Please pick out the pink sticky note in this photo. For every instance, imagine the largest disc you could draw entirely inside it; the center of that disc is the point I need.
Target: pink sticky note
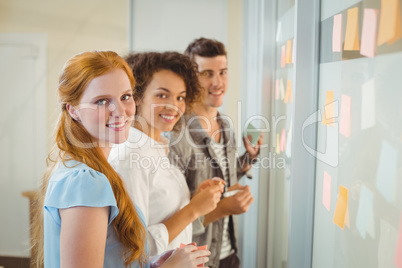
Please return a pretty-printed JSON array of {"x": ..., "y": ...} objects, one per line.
[
  {"x": 277, "y": 89},
  {"x": 283, "y": 140},
  {"x": 283, "y": 58},
  {"x": 337, "y": 34},
  {"x": 398, "y": 253},
  {"x": 326, "y": 191},
  {"x": 369, "y": 32},
  {"x": 344, "y": 127}
]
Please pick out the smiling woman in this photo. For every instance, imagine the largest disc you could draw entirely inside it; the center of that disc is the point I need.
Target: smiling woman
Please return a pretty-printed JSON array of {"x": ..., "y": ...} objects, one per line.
[{"x": 167, "y": 86}]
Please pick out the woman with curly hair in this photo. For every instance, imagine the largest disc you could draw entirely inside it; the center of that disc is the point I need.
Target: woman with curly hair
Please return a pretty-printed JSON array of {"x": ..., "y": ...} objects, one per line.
[{"x": 166, "y": 86}]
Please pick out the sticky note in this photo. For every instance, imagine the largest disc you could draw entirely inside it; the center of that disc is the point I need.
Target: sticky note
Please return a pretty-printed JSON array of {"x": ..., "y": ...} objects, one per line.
[
  {"x": 386, "y": 171},
  {"x": 253, "y": 132},
  {"x": 365, "y": 212},
  {"x": 289, "y": 142},
  {"x": 341, "y": 206},
  {"x": 279, "y": 32},
  {"x": 344, "y": 124},
  {"x": 283, "y": 140},
  {"x": 352, "y": 30},
  {"x": 277, "y": 149},
  {"x": 337, "y": 34},
  {"x": 288, "y": 94},
  {"x": 369, "y": 32},
  {"x": 199, "y": 248},
  {"x": 368, "y": 105},
  {"x": 277, "y": 89},
  {"x": 282, "y": 89},
  {"x": 390, "y": 22},
  {"x": 398, "y": 253},
  {"x": 283, "y": 57},
  {"x": 386, "y": 245},
  {"x": 328, "y": 117},
  {"x": 289, "y": 51},
  {"x": 347, "y": 218},
  {"x": 326, "y": 191}
]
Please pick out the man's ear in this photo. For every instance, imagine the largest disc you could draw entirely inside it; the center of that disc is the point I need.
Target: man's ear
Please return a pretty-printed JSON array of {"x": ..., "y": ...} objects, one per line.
[{"x": 73, "y": 112}]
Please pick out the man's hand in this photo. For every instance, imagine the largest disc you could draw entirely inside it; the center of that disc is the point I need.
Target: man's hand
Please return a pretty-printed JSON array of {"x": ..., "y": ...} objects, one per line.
[{"x": 238, "y": 203}]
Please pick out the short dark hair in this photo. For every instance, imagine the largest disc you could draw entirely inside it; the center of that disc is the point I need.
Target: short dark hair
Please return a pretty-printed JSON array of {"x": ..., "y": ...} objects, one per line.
[
  {"x": 144, "y": 65},
  {"x": 205, "y": 47}
]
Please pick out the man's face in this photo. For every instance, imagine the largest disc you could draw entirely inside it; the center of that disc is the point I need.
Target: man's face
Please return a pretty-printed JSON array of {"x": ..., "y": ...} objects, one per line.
[{"x": 213, "y": 77}]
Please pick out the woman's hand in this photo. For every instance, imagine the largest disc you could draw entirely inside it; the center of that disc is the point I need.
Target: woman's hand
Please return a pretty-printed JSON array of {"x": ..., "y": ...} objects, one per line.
[
  {"x": 207, "y": 196},
  {"x": 186, "y": 257}
]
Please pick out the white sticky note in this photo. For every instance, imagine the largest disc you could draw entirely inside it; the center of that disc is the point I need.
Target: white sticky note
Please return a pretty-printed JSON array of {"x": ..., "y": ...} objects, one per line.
[
  {"x": 386, "y": 171},
  {"x": 386, "y": 245},
  {"x": 282, "y": 89},
  {"x": 365, "y": 213},
  {"x": 368, "y": 105}
]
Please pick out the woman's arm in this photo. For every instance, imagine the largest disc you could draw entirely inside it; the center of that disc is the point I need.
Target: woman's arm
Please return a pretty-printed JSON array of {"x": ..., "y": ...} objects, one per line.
[
  {"x": 202, "y": 203},
  {"x": 83, "y": 236}
]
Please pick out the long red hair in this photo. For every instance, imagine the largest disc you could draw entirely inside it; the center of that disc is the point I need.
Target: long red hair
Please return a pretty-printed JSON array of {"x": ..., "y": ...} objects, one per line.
[{"x": 74, "y": 142}]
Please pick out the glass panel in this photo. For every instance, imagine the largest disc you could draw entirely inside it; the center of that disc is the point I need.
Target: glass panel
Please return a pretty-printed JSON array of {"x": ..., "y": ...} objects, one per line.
[
  {"x": 358, "y": 183},
  {"x": 281, "y": 133}
]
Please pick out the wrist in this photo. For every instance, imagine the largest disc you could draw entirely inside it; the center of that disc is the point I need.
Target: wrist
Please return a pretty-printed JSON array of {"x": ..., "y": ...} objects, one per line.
[{"x": 192, "y": 211}]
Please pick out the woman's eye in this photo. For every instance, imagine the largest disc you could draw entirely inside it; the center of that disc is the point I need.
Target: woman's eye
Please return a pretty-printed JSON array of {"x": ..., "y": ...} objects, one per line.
[
  {"x": 101, "y": 102},
  {"x": 162, "y": 96},
  {"x": 181, "y": 98},
  {"x": 127, "y": 97}
]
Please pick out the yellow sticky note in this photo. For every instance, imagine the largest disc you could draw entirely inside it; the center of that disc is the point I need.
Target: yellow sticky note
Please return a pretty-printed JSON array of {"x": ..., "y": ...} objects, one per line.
[
  {"x": 289, "y": 51},
  {"x": 341, "y": 207},
  {"x": 328, "y": 117},
  {"x": 288, "y": 94},
  {"x": 390, "y": 22},
  {"x": 352, "y": 30}
]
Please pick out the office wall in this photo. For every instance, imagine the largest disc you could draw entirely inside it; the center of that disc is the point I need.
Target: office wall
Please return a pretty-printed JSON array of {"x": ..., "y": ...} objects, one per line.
[{"x": 63, "y": 29}]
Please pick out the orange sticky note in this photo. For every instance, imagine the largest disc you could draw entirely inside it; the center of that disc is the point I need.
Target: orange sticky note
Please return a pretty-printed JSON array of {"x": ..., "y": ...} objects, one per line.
[
  {"x": 326, "y": 191},
  {"x": 277, "y": 89},
  {"x": 283, "y": 141},
  {"x": 390, "y": 22},
  {"x": 337, "y": 34},
  {"x": 341, "y": 207},
  {"x": 344, "y": 127},
  {"x": 283, "y": 59},
  {"x": 352, "y": 30},
  {"x": 328, "y": 117},
  {"x": 347, "y": 220},
  {"x": 369, "y": 32},
  {"x": 398, "y": 253},
  {"x": 288, "y": 94},
  {"x": 289, "y": 51},
  {"x": 281, "y": 89}
]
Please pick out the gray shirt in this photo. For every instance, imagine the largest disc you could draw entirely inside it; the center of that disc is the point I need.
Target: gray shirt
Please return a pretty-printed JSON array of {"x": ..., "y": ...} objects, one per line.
[{"x": 191, "y": 151}]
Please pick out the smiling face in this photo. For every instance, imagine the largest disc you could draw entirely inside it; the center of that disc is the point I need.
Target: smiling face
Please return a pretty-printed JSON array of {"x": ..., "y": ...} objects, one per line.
[
  {"x": 212, "y": 75},
  {"x": 162, "y": 104},
  {"x": 106, "y": 108}
]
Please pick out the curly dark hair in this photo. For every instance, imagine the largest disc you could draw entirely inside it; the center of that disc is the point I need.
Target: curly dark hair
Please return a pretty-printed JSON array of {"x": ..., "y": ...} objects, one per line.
[
  {"x": 145, "y": 64},
  {"x": 205, "y": 47}
]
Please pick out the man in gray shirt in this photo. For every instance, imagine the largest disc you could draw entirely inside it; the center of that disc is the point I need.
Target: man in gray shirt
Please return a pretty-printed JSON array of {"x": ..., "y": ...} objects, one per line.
[{"x": 207, "y": 149}]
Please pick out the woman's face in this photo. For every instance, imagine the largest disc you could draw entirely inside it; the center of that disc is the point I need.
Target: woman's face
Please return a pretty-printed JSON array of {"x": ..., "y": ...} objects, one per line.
[
  {"x": 163, "y": 103},
  {"x": 106, "y": 108}
]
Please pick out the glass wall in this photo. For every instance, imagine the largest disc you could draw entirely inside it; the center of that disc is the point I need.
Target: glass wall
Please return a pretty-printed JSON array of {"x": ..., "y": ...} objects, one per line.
[{"x": 358, "y": 183}]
